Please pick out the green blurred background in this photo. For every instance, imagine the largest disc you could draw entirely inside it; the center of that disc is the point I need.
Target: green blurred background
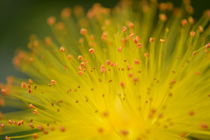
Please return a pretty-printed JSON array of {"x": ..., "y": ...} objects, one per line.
[{"x": 20, "y": 18}]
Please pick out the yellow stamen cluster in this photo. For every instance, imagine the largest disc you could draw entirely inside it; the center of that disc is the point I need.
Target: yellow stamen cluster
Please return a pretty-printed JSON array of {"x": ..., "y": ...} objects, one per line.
[{"x": 140, "y": 71}]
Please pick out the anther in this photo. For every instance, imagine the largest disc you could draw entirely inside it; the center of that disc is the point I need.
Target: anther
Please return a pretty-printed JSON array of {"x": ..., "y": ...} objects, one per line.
[
  {"x": 62, "y": 129},
  {"x": 30, "y": 81},
  {"x": 2, "y": 125},
  {"x": 130, "y": 75},
  {"x": 4, "y": 91},
  {"x": 100, "y": 130},
  {"x": 45, "y": 132},
  {"x": 192, "y": 34},
  {"x": 29, "y": 90},
  {"x": 204, "y": 126},
  {"x": 124, "y": 29},
  {"x": 31, "y": 106},
  {"x": 139, "y": 45},
  {"x": 131, "y": 35},
  {"x": 119, "y": 49},
  {"x": 122, "y": 84},
  {"x": 80, "y": 57},
  {"x": 151, "y": 39},
  {"x": 103, "y": 68},
  {"x": 200, "y": 28},
  {"x": 53, "y": 82},
  {"x": 91, "y": 51},
  {"x": 41, "y": 128},
  {"x": 69, "y": 57},
  {"x": 105, "y": 114},
  {"x": 35, "y": 111},
  {"x": 173, "y": 82},
  {"x": 19, "y": 123},
  {"x": 130, "y": 25},
  {"x": 48, "y": 41},
  {"x": 191, "y": 20},
  {"x": 7, "y": 138},
  {"x": 80, "y": 72},
  {"x": 35, "y": 136},
  {"x": 124, "y": 132},
  {"x": 137, "y": 61},
  {"x": 104, "y": 35},
  {"x": 162, "y": 17},
  {"x": 146, "y": 55},
  {"x": 162, "y": 40},
  {"x": 83, "y": 31},
  {"x": 207, "y": 45},
  {"x": 184, "y": 22},
  {"x": 62, "y": 49},
  {"x": 163, "y": 6},
  {"x": 51, "y": 20},
  {"x": 66, "y": 13},
  {"x": 136, "y": 39},
  {"x": 191, "y": 113}
]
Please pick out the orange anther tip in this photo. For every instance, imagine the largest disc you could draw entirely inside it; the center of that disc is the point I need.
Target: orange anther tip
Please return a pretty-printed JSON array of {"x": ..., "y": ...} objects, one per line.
[
  {"x": 124, "y": 28},
  {"x": 162, "y": 40},
  {"x": 131, "y": 35},
  {"x": 48, "y": 41},
  {"x": 4, "y": 91},
  {"x": 137, "y": 61},
  {"x": 191, "y": 113},
  {"x": 35, "y": 111},
  {"x": 162, "y": 17},
  {"x": 31, "y": 106},
  {"x": 207, "y": 12},
  {"x": 80, "y": 57},
  {"x": 139, "y": 45},
  {"x": 103, "y": 68},
  {"x": 105, "y": 114},
  {"x": 91, "y": 51},
  {"x": 62, "y": 49},
  {"x": 30, "y": 90},
  {"x": 192, "y": 33},
  {"x": 7, "y": 138},
  {"x": 51, "y": 20},
  {"x": 191, "y": 20},
  {"x": 130, "y": 25},
  {"x": 65, "y": 13},
  {"x": 2, "y": 125},
  {"x": 200, "y": 28},
  {"x": 62, "y": 129},
  {"x": 119, "y": 49},
  {"x": 100, "y": 130},
  {"x": 136, "y": 39},
  {"x": 122, "y": 84},
  {"x": 69, "y": 57},
  {"x": 151, "y": 39},
  {"x": 35, "y": 136},
  {"x": 130, "y": 75},
  {"x": 30, "y": 81},
  {"x": 80, "y": 72},
  {"x": 184, "y": 22},
  {"x": 204, "y": 126},
  {"x": 53, "y": 82},
  {"x": 124, "y": 132},
  {"x": 146, "y": 54},
  {"x": 83, "y": 31},
  {"x": 207, "y": 45}
]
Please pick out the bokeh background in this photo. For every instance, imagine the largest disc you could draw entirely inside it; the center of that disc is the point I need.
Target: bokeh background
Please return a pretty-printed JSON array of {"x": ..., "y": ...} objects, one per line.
[{"x": 20, "y": 18}]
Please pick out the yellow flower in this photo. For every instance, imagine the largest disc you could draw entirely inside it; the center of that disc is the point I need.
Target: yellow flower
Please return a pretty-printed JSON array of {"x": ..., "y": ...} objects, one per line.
[{"x": 140, "y": 71}]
